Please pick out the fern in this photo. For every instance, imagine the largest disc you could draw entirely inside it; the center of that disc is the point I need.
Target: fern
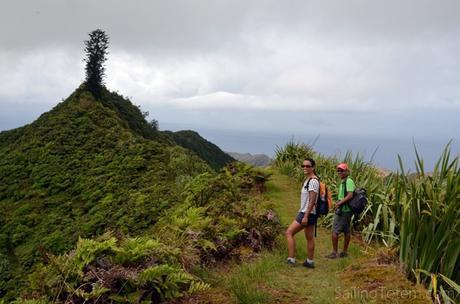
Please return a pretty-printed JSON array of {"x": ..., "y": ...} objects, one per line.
[
  {"x": 156, "y": 273},
  {"x": 96, "y": 291},
  {"x": 166, "y": 280},
  {"x": 88, "y": 250},
  {"x": 132, "y": 250},
  {"x": 27, "y": 301},
  {"x": 206, "y": 245},
  {"x": 198, "y": 286}
]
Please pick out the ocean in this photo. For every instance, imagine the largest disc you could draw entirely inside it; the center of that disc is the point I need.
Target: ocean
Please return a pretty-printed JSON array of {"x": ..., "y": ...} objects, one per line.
[{"x": 381, "y": 151}]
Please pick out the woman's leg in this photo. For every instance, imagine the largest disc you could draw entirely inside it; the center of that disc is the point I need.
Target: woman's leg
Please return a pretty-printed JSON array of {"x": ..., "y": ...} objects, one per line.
[
  {"x": 290, "y": 232},
  {"x": 309, "y": 234}
]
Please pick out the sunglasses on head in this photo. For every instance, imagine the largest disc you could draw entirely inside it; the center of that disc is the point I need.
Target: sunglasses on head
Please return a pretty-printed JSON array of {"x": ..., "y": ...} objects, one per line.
[{"x": 306, "y": 166}]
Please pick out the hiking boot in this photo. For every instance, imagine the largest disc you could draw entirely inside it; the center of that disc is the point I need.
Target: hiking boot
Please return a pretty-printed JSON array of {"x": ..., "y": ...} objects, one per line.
[
  {"x": 291, "y": 263},
  {"x": 343, "y": 254},
  {"x": 308, "y": 265},
  {"x": 332, "y": 255}
]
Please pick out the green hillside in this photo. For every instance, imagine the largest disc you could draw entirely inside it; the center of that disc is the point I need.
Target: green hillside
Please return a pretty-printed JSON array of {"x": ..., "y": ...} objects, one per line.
[
  {"x": 79, "y": 170},
  {"x": 91, "y": 166},
  {"x": 98, "y": 206},
  {"x": 206, "y": 150}
]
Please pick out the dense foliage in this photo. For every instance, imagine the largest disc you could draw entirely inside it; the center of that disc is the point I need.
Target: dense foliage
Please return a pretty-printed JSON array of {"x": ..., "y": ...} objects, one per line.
[
  {"x": 77, "y": 171},
  {"x": 106, "y": 270},
  {"x": 219, "y": 217},
  {"x": 132, "y": 116},
  {"x": 91, "y": 166},
  {"x": 417, "y": 213},
  {"x": 206, "y": 150}
]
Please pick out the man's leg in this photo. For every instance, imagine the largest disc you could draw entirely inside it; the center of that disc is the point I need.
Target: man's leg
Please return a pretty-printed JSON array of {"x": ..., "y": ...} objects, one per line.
[
  {"x": 347, "y": 234},
  {"x": 335, "y": 237},
  {"x": 335, "y": 241},
  {"x": 346, "y": 242}
]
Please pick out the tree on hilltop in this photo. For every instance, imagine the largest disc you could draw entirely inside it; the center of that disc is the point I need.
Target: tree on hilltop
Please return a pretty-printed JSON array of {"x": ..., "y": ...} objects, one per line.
[{"x": 96, "y": 51}]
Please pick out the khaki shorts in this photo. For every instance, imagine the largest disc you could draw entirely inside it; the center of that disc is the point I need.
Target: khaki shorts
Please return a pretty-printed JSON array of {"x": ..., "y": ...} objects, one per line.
[{"x": 342, "y": 223}]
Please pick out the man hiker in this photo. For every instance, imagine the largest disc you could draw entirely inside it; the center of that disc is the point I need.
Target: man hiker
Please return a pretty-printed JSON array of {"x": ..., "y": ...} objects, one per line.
[{"x": 343, "y": 213}]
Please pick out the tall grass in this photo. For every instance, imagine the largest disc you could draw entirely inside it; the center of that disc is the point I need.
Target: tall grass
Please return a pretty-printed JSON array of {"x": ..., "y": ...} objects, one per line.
[
  {"x": 287, "y": 157},
  {"x": 419, "y": 213},
  {"x": 245, "y": 284}
]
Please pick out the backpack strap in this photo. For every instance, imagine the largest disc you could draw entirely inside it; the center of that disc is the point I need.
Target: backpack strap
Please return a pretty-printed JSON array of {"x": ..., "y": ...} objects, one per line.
[
  {"x": 316, "y": 222},
  {"x": 344, "y": 191},
  {"x": 308, "y": 182}
]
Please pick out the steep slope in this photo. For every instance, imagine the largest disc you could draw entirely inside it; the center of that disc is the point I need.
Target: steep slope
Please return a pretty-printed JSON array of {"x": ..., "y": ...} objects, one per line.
[
  {"x": 206, "y": 150},
  {"x": 83, "y": 168}
]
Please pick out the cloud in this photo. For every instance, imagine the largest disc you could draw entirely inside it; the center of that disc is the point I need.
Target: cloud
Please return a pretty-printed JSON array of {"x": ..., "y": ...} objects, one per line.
[
  {"x": 212, "y": 62},
  {"x": 187, "y": 25},
  {"x": 299, "y": 76},
  {"x": 38, "y": 75}
]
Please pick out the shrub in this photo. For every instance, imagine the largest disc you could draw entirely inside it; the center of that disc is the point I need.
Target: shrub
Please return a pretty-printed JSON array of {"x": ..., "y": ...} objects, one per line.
[{"x": 110, "y": 270}]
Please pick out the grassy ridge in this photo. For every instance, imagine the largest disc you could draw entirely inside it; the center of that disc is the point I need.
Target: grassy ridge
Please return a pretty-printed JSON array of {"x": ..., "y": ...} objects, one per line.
[{"x": 364, "y": 277}]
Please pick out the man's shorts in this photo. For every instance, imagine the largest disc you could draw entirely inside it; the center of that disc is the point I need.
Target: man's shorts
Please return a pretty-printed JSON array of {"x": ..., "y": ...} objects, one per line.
[
  {"x": 311, "y": 219},
  {"x": 342, "y": 222}
]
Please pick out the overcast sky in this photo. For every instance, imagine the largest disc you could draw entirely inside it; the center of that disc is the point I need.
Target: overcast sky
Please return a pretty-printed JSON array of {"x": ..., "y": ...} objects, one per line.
[{"x": 363, "y": 72}]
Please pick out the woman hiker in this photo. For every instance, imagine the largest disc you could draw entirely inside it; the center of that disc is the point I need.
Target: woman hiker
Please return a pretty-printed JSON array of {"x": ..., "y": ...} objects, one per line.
[{"x": 306, "y": 218}]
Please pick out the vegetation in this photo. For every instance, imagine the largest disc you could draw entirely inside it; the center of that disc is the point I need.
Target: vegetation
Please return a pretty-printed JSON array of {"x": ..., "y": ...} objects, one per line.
[
  {"x": 147, "y": 269},
  {"x": 428, "y": 214},
  {"x": 92, "y": 166},
  {"x": 96, "y": 52},
  {"x": 105, "y": 270},
  {"x": 416, "y": 213},
  {"x": 366, "y": 276},
  {"x": 206, "y": 150},
  {"x": 78, "y": 171}
]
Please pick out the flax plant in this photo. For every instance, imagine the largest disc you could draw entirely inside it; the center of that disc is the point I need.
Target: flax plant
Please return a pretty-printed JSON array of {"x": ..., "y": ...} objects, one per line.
[{"x": 428, "y": 209}]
